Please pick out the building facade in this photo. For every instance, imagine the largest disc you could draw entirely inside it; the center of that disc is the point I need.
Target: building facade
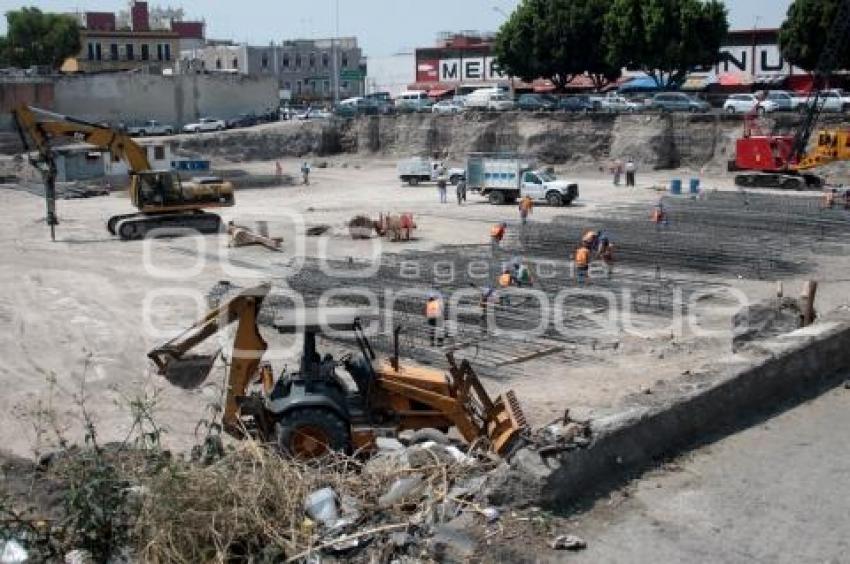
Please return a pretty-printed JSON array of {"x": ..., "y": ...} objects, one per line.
[
  {"x": 304, "y": 69},
  {"x": 108, "y": 46}
]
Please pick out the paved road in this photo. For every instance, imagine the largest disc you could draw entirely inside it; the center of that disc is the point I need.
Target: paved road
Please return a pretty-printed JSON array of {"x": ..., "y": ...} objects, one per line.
[{"x": 775, "y": 493}]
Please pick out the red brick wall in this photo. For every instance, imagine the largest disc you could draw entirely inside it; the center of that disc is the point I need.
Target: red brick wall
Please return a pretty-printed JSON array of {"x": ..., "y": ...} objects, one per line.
[
  {"x": 103, "y": 21},
  {"x": 39, "y": 94},
  {"x": 189, "y": 30},
  {"x": 139, "y": 16}
]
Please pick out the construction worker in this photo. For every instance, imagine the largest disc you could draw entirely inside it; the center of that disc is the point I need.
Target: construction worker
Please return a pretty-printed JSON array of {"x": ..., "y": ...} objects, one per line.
[
  {"x": 522, "y": 274},
  {"x": 442, "y": 180},
  {"x": 829, "y": 198},
  {"x": 582, "y": 260},
  {"x": 589, "y": 239},
  {"x": 488, "y": 297},
  {"x": 526, "y": 206},
  {"x": 461, "y": 191},
  {"x": 434, "y": 315},
  {"x": 505, "y": 281},
  {"x": 605, "y": 251},
  {"x": 631, "y": 172},
  {"x": 305, "y": 173},
  {"x": 658, "y": 215},
  {"x": 497, "y": 233}
]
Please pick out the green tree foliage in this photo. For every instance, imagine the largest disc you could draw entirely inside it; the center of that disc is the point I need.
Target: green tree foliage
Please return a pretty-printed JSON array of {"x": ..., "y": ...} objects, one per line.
[
  {"x": 556, "y": 39},
  {"x": 805, "y": 31},
  {"x": 39, "y": 38},
  {"x": 665, "y": 38}
]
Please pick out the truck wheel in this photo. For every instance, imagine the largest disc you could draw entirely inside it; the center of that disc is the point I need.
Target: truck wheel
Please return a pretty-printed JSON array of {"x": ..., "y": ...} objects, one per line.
[
  {"x": 496, "y": 198},
  {"x": 413, "y": 181},
  {"x": 555, "y": 200},
  {"x": 311, "y": 432}
]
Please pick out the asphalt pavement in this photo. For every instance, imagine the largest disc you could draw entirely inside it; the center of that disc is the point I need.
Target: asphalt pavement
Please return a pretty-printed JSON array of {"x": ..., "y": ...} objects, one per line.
[{"x": 778, "y": 492}]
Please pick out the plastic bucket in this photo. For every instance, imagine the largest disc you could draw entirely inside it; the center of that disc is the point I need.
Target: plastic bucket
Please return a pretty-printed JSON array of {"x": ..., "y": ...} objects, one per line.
[
  {"x": 694, "y": 185},
  {"x": 676, "y": 186}
]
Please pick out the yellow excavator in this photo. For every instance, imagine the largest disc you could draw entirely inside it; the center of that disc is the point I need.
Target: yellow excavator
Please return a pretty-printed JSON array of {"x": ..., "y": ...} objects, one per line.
[
  {"x": 313, "y": 411},
  {"x": 163, "y": 201}
]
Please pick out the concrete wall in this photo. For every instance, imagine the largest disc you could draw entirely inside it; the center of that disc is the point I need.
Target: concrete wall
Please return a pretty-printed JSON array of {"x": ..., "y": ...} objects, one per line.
[
  {"x": 25, "y": 90},
  {"x": 131, "y": 98}
]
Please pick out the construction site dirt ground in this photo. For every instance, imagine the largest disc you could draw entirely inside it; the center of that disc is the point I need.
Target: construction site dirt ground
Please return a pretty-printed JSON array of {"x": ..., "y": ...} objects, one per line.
[{"x": 78, "y": 315}]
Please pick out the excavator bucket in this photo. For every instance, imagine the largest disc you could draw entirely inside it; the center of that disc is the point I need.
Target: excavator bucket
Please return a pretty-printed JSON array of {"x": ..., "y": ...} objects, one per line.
[
  {"x": 506, "y": 423},
  {"x": 188, "y": 372}
]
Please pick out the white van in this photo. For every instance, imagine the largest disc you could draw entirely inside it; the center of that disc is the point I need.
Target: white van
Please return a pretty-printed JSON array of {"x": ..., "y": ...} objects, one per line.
[
  {"x": 413, "y": 100},
  {"x": 490, "y": 99}
]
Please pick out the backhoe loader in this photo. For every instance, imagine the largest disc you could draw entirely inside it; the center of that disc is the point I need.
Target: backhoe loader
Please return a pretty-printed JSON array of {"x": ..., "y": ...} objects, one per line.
[
  {"x": 312, "y": 411},
  {"x": 163, "y": 200}
]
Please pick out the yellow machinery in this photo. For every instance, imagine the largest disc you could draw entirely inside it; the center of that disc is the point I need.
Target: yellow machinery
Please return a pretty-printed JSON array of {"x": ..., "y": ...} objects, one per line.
[
  {"x": 832, "y": 145},
  {"x": 311, "y": 411},
  {"x": 162, "y": 199}
]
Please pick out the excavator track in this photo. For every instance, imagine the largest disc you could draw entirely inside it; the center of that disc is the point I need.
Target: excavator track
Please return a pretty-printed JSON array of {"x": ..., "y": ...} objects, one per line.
[
  {"x": 138, "y": 226},
  {"x": 782, "y": 181}
]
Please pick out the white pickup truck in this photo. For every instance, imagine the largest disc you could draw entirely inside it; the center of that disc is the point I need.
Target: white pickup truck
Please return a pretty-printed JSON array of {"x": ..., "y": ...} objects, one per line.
[
  {"x": 150, "y": 127},
  {"x": 505, "y": 179},
  {"x": 417, "y": 169}
]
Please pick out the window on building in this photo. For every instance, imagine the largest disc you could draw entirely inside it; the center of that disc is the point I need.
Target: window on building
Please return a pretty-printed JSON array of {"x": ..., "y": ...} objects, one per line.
[
  {"x": 235, "y": 63},
  {"x": 343, "y": 84},
  {"x": 265, "y": 61},
  {"x": 326, "y": 86},
  {"x": 113, "y": 51},
  {"x": 159, "y": 53},
  {"x": 218, "y": 64},
  {"x": 288, "y": 86},
  {"x": 146, "y": 52},
  {"x": 298, "y": 60},
  {"x": 325, "y": 60},
  {"x": 298, "y": 87},
  {"x": 130, "y": 54},
  {"x": 312, "y": 60},
  {"x": 158, "y": 152},
  {"x": 91, "y": 51},
  {"x": 98, "y": 54},
  {"x": 345, "y": 60},
  {"x": 167, "y": 49},
  {"x": 286, "y": 60}
]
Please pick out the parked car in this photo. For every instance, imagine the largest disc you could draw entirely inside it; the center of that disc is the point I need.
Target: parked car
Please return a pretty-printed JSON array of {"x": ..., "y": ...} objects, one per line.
[
  {"x": 845, "y": 98},
  {"x": 742, "y": 104},
  {"x": 413, "y": 101},
  {"x": 418, "y": 169},
  {"x": 536, "y": 103},
  {"x": 243, "y": 120},
  {"x": 480, "y": 99},
  {"x": 205, "y": 124},
  {"x": 501, "y": 103},
  {"x": 781, "y": 101},
  {"x": 575, "y": 104},
  {"x": 614, "y": 102},
  {"x": 447, "y": 107},
  {"x": 678, "y": 102},
  {"x": 831, "y": 101},
  {"x": 150, "y": 127}
]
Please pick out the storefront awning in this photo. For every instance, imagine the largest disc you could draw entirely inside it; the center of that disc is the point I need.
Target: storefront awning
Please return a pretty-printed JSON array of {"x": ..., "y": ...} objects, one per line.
[
  {"x": 439, "y": 92},
  {"x": 802, "y": 83},
  {"x": 734, "y": 79}
]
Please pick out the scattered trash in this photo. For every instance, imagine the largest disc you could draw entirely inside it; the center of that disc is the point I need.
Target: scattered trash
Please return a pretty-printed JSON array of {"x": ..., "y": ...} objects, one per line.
[
  {"x": 11, "y": 552},
  {"x": 402, "y": 490},
  {"x": 452, "y": 544},
  {"x": 79, "y": 557},
  {"x": 317, "y": 230},
  {"x": 241, "y": 236},
  {"x": 568, "y": 542},
  {"x": 400, "y": 539},
  {"x": 321, "y": 506},
  {"x": 361, "y": 227},
  {"x": 491, "y": 514},
  {"x": 388, "y": 444}
]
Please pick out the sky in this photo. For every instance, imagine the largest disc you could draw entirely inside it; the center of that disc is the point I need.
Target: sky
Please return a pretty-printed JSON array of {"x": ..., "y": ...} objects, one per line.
[{"x": 383, "y": 27}]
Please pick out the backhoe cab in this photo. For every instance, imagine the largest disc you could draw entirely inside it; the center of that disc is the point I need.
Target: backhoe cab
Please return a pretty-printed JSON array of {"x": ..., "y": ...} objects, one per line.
[{"x": 312, "y": 411}]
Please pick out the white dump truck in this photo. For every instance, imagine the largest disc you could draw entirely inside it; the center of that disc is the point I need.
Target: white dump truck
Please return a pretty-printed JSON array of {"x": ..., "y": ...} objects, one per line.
[
  {"x": 418, "y": 169},
  {"x": 505, "y": 179}
]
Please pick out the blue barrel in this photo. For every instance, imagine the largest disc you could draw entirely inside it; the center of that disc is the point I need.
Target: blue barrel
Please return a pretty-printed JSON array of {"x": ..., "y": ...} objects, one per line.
[
  {"x": 676, "y": 186},
  {"x": 694, "y": 185}
]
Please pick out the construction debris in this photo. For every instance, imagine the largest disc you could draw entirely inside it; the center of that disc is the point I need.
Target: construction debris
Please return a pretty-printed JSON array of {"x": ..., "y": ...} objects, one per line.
[
  {"x": 395, "y": 227},
  {"x": 361, "y": 227},
  {"x": 568, "y": 542},
  {"x": 241, "y": 236}
]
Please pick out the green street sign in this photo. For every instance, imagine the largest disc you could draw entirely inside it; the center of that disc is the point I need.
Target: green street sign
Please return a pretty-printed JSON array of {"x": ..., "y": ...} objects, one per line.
[{"x": 351, "y": 74}]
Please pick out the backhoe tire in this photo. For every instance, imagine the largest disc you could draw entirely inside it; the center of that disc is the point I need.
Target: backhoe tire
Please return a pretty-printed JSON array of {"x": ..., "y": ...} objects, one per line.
[{"x": 312, "y": 432}]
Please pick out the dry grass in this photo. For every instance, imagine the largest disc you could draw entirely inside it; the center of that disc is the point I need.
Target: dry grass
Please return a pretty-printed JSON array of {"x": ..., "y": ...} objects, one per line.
[{"x": 251, "y": 504}]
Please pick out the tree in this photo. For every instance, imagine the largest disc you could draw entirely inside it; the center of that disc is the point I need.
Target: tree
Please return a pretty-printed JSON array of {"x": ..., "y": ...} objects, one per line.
[
  {"x": 38, "y": 38},
  {"x": 805, "y": 30},
  {"x": 556, "y": 39},
  {"x": 665, "y": 38}
]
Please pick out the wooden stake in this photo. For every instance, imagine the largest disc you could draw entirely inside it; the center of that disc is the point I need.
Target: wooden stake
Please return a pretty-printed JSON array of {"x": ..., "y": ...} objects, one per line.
[{"x": 807, "y": 302}]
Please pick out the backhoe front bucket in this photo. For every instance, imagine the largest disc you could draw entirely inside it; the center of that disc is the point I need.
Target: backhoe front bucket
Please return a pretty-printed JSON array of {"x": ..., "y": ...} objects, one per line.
[
  {"x": 506, "y": 423},
  {"x": 188, "y": 372}
]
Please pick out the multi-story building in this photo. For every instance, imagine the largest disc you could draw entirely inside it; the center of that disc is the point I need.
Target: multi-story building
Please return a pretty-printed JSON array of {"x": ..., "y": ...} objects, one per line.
[
  {"x": 108, "y": 47},
  {"x": 304, "y": 68}
]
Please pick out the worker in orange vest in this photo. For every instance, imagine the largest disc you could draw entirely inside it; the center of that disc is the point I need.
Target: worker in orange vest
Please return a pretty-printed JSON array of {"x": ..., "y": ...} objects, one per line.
[
  {"x": 434, "y": 315},
  {"x": 658, "y": 215},
  {"x": 497, "y": 233},
  {"x": 582, "y": 264}
]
